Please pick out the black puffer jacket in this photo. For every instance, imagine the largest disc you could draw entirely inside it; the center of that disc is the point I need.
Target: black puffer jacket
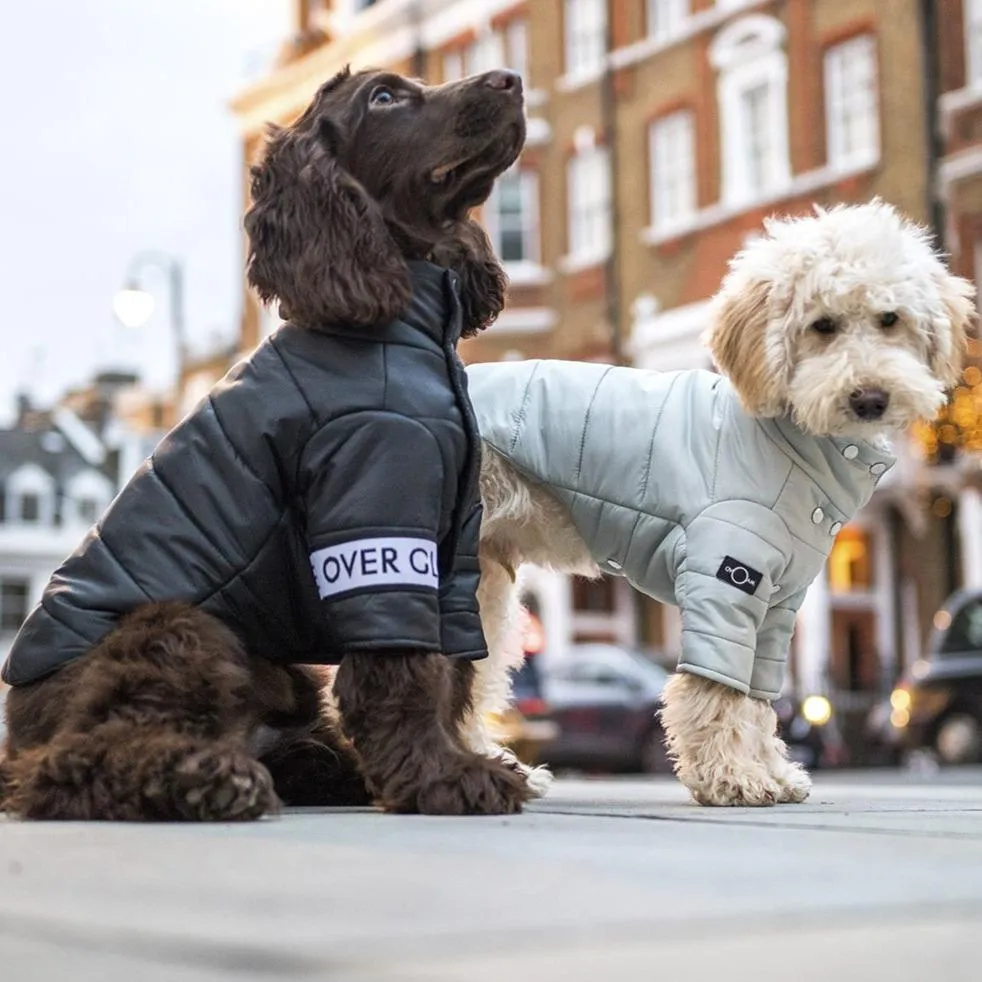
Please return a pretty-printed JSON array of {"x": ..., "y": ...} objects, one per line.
[{"x": 322, "y": 500}]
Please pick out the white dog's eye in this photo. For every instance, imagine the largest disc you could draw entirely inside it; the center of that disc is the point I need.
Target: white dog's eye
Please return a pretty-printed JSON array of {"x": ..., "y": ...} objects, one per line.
[
  {"x": 824, "y": 325},
  {"x": 889, "y": 318}
]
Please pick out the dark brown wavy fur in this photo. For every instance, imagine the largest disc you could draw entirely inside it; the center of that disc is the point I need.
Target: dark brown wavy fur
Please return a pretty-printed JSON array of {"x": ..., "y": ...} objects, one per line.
[{"x": 341, "y": 198}]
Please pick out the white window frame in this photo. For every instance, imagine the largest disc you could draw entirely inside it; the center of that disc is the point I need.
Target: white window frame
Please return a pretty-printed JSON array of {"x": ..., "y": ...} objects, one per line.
[
  {"x": 516, "y": 47},
  {"x": 588, "y": 184},
  {"x": 453, "y": 65},
  {"x": 30, "y": 480},
  {"x": 89, "y": 486},
  {"x": 528, "y": 181},
  {"x": 484, "y": 54},
  {"x": 491, "y": 49},
  {"x": 749, "y": 55},
  {"x": 665, "y": 19},
  {"x": 973, "y": 42},
  {"x": 585, "y": 37},
  {"x": 852, "y": 103},
  {"x": 673, "y": 170}
]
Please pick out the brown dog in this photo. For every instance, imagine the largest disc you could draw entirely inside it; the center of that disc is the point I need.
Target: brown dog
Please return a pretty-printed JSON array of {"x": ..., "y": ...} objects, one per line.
[{"x": 160, "y": 677}]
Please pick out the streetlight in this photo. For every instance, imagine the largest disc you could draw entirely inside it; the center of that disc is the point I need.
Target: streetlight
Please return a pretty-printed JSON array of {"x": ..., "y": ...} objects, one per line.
[{"x": 134, "y": 305}]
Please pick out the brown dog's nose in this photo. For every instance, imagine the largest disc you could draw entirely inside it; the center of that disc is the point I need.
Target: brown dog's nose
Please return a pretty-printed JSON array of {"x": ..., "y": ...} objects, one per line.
[
  {"x": 503, "y": 80},
  {"x": 869, "y": 404}
]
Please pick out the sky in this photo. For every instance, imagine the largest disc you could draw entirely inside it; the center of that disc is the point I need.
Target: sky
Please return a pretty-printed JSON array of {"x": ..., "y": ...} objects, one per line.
[{"x": 117, "y": 138}]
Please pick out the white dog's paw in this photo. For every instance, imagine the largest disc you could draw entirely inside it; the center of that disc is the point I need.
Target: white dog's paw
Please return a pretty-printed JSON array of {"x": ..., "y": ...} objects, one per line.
[
  {"x": 539, "y": 779},
  {"x": 794, "y": 782},
  {"x": 724, "y": 787}
]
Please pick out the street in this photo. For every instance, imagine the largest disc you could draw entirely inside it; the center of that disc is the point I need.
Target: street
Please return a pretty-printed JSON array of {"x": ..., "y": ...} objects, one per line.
[{"x": 879, "y": 875}]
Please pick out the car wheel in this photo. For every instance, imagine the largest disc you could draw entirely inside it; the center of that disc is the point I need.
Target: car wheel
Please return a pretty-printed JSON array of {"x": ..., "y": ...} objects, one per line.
[
  {"x": 959, "y": 739},
  {"x": 653, "y": 755}
]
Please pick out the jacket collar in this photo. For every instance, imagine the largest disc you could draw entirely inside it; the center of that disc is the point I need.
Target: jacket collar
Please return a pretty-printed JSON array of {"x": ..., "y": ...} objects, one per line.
[
  {"x": 434, "y": 309},
  {"x": 847, "y": 470}
]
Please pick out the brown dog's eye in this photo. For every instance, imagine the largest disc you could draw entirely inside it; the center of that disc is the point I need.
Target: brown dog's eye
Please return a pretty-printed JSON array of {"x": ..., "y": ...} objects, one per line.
[
  {"x": 889, "y": 318},
  {"x": 824, "y": 325},
  {"x": 381, "y": 96}
]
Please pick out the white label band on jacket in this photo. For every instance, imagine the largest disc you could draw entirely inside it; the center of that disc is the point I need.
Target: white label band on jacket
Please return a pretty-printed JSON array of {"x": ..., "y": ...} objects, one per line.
[{"x": 365, "y": 564}]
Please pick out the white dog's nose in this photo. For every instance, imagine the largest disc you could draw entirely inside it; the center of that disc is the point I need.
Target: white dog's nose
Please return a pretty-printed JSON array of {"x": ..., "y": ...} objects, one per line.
[{"x": 869, "y": 404}]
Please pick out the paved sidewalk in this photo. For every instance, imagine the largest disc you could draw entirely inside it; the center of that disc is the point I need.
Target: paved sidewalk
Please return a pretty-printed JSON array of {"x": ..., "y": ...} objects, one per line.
[{"x": 877, "y": 877}]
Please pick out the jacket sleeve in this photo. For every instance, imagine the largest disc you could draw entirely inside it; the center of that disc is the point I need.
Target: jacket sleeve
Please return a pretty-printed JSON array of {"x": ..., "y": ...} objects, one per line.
[
  {"x": 375, "y": 499},
  {"x": 724, "y": 581},
  {"x": 773, "y": 642},
  {"x": 460, "y": 616}
]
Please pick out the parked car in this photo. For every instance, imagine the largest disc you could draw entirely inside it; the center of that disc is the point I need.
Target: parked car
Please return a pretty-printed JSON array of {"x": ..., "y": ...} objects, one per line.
[
  {"x": 603, "y": 699},
  {"x": 937, "y": 706}
]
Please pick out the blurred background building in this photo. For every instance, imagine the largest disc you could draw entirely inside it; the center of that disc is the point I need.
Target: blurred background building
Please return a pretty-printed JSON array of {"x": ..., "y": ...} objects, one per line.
[
  {"x": 660, "y": 134},
  {"x": 60, "y": 468}
]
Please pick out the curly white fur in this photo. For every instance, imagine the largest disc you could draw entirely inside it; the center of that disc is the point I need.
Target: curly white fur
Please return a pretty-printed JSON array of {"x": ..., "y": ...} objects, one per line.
[{"x": 799, "y": 327}]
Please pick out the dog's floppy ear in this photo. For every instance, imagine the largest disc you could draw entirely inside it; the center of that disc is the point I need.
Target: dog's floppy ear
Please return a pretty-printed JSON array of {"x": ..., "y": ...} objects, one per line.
[
  {"x": 317, "y": 242},
  {"x": 739, "y": 315},
  {"x": 949, "y": 332},
  {"x": 468, "y": 251}
]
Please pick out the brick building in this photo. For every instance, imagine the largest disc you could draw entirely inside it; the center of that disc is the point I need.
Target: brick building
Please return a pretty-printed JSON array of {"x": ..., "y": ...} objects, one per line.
[
  {"x": 956, "y": 162},
  {"x": 661, "y": 132}
]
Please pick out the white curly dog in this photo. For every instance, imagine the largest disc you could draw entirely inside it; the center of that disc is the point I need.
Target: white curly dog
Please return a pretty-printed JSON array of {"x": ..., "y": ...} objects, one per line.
[{"x": 722, "y": 494}]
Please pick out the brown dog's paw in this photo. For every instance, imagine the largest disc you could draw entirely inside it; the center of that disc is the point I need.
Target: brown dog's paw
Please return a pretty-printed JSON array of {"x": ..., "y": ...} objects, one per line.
[
  {"x": 218, "y": 786},
  {"x": 476, "y": 786}
]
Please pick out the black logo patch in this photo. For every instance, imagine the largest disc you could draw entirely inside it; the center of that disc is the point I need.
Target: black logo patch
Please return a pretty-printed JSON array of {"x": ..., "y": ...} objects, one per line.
[{"x": 738, "y": 574}]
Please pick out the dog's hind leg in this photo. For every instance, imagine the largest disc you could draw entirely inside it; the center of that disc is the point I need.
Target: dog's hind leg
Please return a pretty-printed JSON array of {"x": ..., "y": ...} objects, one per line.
[
  {"x": 118, "y": 772},
  {"x": 149, "y": 725},
  {"x": 522, "y": 523},
  {"x": 490, "y": 687}
]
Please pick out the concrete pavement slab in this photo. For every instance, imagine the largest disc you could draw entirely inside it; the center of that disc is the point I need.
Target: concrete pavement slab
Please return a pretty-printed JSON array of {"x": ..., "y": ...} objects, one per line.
[{"x": 616, "y": 879}]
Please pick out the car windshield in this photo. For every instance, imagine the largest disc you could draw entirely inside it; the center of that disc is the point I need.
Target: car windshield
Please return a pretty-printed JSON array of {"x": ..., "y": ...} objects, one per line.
[
  {"x": 587, "y": 661},
  {"x": 965, "y": 633}
]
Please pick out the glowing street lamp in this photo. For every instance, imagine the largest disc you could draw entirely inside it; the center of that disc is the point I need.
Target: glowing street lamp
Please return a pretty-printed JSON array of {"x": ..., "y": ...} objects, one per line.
[{"x": 134, "y": 305}]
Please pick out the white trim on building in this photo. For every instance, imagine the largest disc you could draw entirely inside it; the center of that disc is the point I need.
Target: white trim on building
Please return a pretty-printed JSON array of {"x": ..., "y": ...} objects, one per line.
[
  {"x": 588, "y": 194},
  {"x": 752, "y": 94},
  {"x": 970, "y": 529},
  {"x": 672, "y": 170},
  {"x": 584, "y": 37},
  {"x": 973, "y": 41},
  {"x": 30, "y": 497},
  {"x": 525, "y": 320},
  {"x": 666, "y": 19},
  {"x": 669, "y": 340},
  {"x": 511, "y": 217},
  {"x": 852, "y": 114},
  {"x": 87, "y": 495}
]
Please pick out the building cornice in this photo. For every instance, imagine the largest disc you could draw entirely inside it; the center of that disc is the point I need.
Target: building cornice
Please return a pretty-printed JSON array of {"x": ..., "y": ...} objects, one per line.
[{"x": 383, "y": 35}]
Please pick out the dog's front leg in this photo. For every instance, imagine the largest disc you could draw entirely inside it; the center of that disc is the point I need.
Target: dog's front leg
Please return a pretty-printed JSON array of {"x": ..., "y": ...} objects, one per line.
[
  {"x": 397, "y": 711},
  {"x": 725, "y": 745}
]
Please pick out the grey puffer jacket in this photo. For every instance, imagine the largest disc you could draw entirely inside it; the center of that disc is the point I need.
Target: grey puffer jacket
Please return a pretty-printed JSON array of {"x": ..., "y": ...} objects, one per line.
[
  {"x": 322, "y": 500},
  {"x": 674, "y": 486}
]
